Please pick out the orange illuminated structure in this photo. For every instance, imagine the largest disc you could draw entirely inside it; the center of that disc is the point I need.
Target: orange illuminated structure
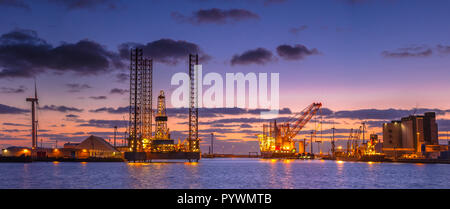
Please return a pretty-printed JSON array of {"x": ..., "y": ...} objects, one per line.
[
  {"x": 278, "y": 140},
  {"x": 142, "y": 144}
]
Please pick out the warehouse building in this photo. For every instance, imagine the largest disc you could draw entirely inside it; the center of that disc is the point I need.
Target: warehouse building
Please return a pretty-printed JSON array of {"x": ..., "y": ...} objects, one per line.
[{"x": 413, "y": 136}]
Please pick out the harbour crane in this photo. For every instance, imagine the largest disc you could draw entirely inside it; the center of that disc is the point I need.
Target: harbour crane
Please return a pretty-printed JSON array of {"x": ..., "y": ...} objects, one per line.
[{"x": 280, "y": 138}]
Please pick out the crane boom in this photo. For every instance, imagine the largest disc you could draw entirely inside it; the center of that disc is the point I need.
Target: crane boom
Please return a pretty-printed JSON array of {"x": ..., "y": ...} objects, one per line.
[{"x": 305, "y": 117}]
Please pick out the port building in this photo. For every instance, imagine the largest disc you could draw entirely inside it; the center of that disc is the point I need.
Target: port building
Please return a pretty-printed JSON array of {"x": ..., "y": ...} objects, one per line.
[{"x": 415, "y": 136}]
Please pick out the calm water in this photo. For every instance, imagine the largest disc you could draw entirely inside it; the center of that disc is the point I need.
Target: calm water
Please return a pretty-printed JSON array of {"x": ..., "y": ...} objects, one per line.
[{"x": 225, "y": 173}]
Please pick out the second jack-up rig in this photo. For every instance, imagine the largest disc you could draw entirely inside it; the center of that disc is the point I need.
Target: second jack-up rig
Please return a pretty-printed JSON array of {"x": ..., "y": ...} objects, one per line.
[{"x": 142, "y": 144}]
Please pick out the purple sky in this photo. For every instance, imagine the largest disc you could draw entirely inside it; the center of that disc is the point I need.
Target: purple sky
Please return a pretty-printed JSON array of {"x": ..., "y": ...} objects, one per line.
[{"x": 348, "y": 54}]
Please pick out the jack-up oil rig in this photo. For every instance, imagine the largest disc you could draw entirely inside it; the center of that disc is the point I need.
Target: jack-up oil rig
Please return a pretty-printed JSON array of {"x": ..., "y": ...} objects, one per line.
[
  {"x": 277, "y": 141},
  {"x": 142, "y": 144}
]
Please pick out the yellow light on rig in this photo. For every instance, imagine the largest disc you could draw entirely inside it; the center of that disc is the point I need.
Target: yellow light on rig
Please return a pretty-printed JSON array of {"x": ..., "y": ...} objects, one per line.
[
  {"x": 339, "y": 147},
  {"x": 84, "y": 150},
  {"x": 55, "y": 150}
]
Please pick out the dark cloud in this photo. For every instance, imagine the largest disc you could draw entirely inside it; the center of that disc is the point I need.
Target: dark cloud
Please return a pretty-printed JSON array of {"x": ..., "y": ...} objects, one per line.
[
  {"x": 166, "y": 51},
  {"x": 296, "y": 52},
  {"x": 388, "y": 114},
  {"x": 16, "y": 124},
  {"x": 245, "y": 126},
  {"x": 105, "y": 134},
  {"x": 98, "y": 97},
  {"x": 256, "y": 56},
  {"x": 24, "y": 54},
  {"x": 376, "y": 123},
  {"x": 105, "y": 123},
  {"x": 8, "y": 90},
  {"x": 72, "y": 116},
  {"x": 75, "y": 87},
  {"x": 118, "y": 91},
  {"x": 87, "y": 4},
  {"x": 443, "y": 49},
  {"x": 216, "y": 16},
  {"x": 298, "y": 29},
  {"x": 13, "y": 130},
  {"x": 203, "y": 112},
  {"x": 61, "y": 108},
  {"x": 122, "y": 77},
  {"x": 14, "y": 3},
  {"x": 241, "y": 120},
  {"x": 220, "y": 112},
  {"x": 417, "y": 51},
  {"x": 119, "y": 110},
  {"x": 62, "y": 137},
  {"x": 5, "y": 109}
]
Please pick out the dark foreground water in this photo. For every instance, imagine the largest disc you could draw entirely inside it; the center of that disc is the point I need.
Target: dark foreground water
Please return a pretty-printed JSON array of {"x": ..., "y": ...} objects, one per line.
[{"x": 225, "y": 173}]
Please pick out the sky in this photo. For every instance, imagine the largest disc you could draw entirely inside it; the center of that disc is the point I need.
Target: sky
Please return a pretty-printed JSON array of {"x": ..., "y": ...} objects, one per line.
[{"x": 365, "y": 60}]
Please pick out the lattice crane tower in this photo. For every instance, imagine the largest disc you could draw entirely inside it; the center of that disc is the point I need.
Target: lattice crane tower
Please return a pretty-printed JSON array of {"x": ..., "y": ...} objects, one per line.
[{"x": 161, "y": 132}]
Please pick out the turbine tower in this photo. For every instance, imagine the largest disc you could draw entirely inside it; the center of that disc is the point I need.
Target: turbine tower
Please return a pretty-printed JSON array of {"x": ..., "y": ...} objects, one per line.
[{"x": 34, "y": 102}]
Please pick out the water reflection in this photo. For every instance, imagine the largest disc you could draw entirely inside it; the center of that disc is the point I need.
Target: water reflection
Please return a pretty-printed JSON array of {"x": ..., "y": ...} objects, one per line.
[{"x": 225, "y": 173}]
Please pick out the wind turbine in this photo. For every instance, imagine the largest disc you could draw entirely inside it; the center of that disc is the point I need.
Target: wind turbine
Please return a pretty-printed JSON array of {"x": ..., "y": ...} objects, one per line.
[{"x": 34, "y": 102}]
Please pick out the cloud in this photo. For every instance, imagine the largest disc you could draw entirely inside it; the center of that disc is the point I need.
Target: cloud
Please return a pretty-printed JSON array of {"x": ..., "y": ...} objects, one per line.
[
  {"x": 87, "y": 4},
  {"x": 215, "y": 16},
  {"x": 98, "y": 97},
  {"x": 119, "y": 110},
  {"x": 122, "y": 77},
  {"x": 61, "y": 108},
  {"x": 106, "y": 123},
  {"x": 14, "y": 3},
  {"x": 5, "y": 109},
  {"x": 388, "y": 114},
  {"x": 298, "y": 29},
  {"x": 24, "y": 54},
  {"x": 75, "y": 87},
  {"x": 8, "y": 90},
  {"x": 416, "y": 51},
  {"x": 118, "y": 91},
  {"x": 443, "y": 49},
  {"x": 16, "y": 124},
  {"x": 72, "y": 116},
  {"x": 256, "y": 56},
  {"x": 166, "y": 51},
  {"x": 203, "y": 112},
  {"x": 296, "y": 52}
]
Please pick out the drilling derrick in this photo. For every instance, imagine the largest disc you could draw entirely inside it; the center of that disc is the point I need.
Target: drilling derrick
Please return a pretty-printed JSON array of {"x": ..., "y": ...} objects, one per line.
[
  {"x": 162, "y": 132},
  {"x": 193, "y": 139},
  {"x": 142, "y": 144},
  {"x": 278, "y": 140}
]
